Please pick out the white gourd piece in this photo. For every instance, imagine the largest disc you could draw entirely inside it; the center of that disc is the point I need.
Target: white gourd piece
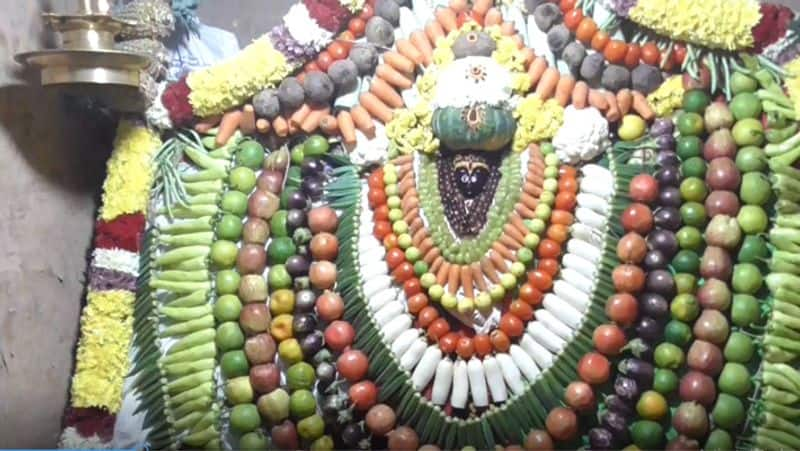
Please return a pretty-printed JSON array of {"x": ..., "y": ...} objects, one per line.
[
  {"x": 395, "y": 327},
  {"x": 584, "y": 250},
  {"x": 525, "y": 363},
  {"x": 494, "y": 379},
  {"x": 376, "y": 285},
  {"x": 554, "y": 324},
  {"x": 381, "y": 299},
  {"x": 442, "y": 382},
  {"x": 583, "y": 232},
  {"x": 402, "y": 343},
  {"x": 458, "y": 398},
  {"x": 593, "y": 202},
  {"x": 412, "y": 356},
  {"x": 477, "y": 383},
  {"x": 579, "y": 264},
  {"x": 374, "y": 269},
  {"x": 388, "y": 312},
  {"x": 511, "y": 373},
  {"x": 573, "y": 296},
  {"x": 543, "y": 358},
  {"x": 542, "y": 335},
  {"x": 426, "y": 368},
  {"x": 577, "y": 280}
]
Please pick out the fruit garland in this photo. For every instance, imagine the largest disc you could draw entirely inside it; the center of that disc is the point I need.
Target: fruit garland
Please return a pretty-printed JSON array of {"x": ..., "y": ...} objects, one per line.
[{"x": 106, "y": 322}]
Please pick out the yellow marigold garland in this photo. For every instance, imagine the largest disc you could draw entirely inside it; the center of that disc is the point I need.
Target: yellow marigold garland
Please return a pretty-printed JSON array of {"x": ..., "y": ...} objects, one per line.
[
  {"x": 667, "y": 97},
  {"x": 536, "y": 121},
  {"x": 717, "y": 24},
  {"x": 127, "y": 186},
  {"x": 411, "y": 130},
  {"x": 231, "y": 83}
]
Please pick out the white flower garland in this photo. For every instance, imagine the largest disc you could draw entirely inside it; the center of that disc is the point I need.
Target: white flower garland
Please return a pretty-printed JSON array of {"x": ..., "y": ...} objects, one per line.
[
  {"x": 116, "y": 260},
  {"x": 305, "y": 29}
]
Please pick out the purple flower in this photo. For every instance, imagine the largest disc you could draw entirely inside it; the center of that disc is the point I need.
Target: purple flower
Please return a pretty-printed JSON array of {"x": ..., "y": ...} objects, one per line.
[
  {"x": 102, "y": 279},
  {"x": 295, "y": 53},
  {"x": 621, "y": 7}
]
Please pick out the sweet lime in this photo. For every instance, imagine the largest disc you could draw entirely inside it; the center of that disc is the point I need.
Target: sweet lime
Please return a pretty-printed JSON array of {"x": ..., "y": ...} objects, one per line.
[
  {"x": 665, "y": 381},
  {"x": 693, "y": 167},
  {"x": 229, "y": 227},
  {"x": 227, "y": 308},
  {"x": 719, "y": 440},
  {"x": 647, "y": 434},
  {"x": 302, "y": 404},
  {"x": 677, "y": 333},
  {"x": 250, "y": 154},
  {"x": 745, "y": 310},
  {"x": 739, "y": 348},
  {"x": 728, "y": 412},
  {"x": 688, "y": 147},
  {"x": 234, "y": 364},
  {"x": 229, "y": 336},
  {"x": 245, "y": 418}
]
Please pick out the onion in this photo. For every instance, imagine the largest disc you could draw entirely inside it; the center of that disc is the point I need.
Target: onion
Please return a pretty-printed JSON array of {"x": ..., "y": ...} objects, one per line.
[
  {"x": 716, "y": 264},
  {"x": 324, "y": 246},
  {"x": 699, "y": 387},
  {"x": 661, "y": 281},
  {"x": 252, "y": 259},
  {"x": 271, "y": 181},
  {"x": 714, "y": 294},
  {"x": 330, "y": 306},
  {"x": 255, "y": 230},
  {"x": 711, "y": 326},
  {"x": 562, "y": 424},
  {"x": 631, "y": 248},
  {"x": 403, "y": 438},
  {"x": 691, "y": 419},
  {"x": 263, "y": 204},
  {"x": 722, "y": 174},
  {"x": 705, "y": 357},
  {"x": 380, "y": 419},
  {"x": 628, "y": 278},
  {"x": 682, "y": 443},
  {"x": 322, "y": 219},
  {"x": 719, "y": 144},
  {"x": 580, "y": 396},
  {"x": 722, "y": 203},
  {"x": 643, "y": 188},
  {"x": 539, "y": 440},
  {"x": 723, "y": 231},
  {"x": 717, "y": 116},
  {"x": 322, "y": 275}
]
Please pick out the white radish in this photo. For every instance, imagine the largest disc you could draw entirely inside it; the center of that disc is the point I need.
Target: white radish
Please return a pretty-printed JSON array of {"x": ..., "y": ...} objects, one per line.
[
  {"x": 378, "y": 301},
  {"x": 584, "y": 250},
  {"x": 554, "y": 324},
  {"x": 511, "y": 373},
  {"x": 589, "y": 234},
  {"x": 426, "y": 368},
  {"x": 388, "y": 312},
  {"x": 395, "y": 327},
  {"x": 578, "y": 280},
  {"x": 598, "y": 173},
  {"x": 376, "y": 285},
  {"x": 477, "y": 383},
  {"x": 442, "y": 382},
  {"x": 540, "y": 355},
  {"x": 548, "y": 339},
  {"x": 579, "y": 264},
  {"x": 371, "y": 253},
  {"x": 494, "y": 379},
  {"x": 413, "y": 354},
  {"x": 402, "y": 343},
  {"x": 590, "y": 218},
  {"x": 575, "y": 297},
  {"x": 458, "y": 398},
  {"x": 593, "y": 202},
  {"x": 374, "y": 269},
  {"x": 525, "y": 363},
  {"x": 562, "y": 312}
]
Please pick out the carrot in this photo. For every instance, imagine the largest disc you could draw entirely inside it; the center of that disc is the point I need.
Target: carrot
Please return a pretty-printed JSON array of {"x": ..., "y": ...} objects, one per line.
[
  {"x": 509, "y": 241},
  {"x": 517, "y": 38},
  {"x": 417, "y": 239},
  {"x": 528, "y": 199},
  {"x": 447, "y": 19},
  {"x": 404, "y": 160},
  {"x": 426, "y": 245},
  {"x": 248, "y": 124},
  {"x": 207, "y": 124},
  {"x": 407, "y": 49},
  {"x": 434, "y": 31},
  {"x": 422, "y": 44},
  {"x": 328, "y": 125},
  {"x": 453, "y": 278},
  {"x": 347, "y": 127},
  {"x": 410, "y": 200},
  {"x": 437, "y": 261},
  {"x": 624, "y": 101},
  {"x": 393, "y": 77},
  {"x": 597, "y": 100},
  {"x": 416, "y": 224},
  {"x": 613, "y": 109},
  {"x": 512, "y": 231},
  {"x": 300, "y": 115},
  {"x": 519, "y": 225},
  {"x": 580, "y": 94},
  {"x": 497, "y": 259},
  {"x": 412, "y": 214},
  {"x": 362, "y": 120},
  {"x": 482, "y": 6},
  {"x": 443, "y": 273},
  {"x": 466, "y": 281},
  {"x": 529, "y": 56},
  {"x": 281, "y": 126},
  {"x": 536, "y": 69},
  {"x": 522, "y": 210},
  {"x": 376, "y": 107},
  {"x": 263, "y": 126},
  {"x": 399, "y": 62},
  {"x": 564, "y": 89},
  {"x": 641, "y": 106},
  {"x": 547, "y": 85},
  {"x": 230, "y": 122},
  {"x": 489, "y": 271},
  {"x": 507, "y": 28},
  {"x": 458, "y": 5},
  {"x": 386, "y": 93},
  {"x": 477, "y": 276},
  {"x": 493, "y": 17},
  {"x": 406, "y": 184},
  {"x": 313, "y": 119}
]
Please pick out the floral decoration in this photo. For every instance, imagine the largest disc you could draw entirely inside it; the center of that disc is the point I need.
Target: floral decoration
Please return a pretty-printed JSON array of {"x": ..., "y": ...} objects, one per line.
[
  {"x": 667, "y": 97},
  {"x": 411, "y": 130},
  {"x": 536, "y": 121}
]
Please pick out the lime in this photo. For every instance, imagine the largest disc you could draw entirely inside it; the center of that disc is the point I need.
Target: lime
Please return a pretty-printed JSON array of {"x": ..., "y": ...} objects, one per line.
[
  {"x": 315, "y": 146},
  {"x": 693, "y": 189},
  {"x": 693, "y": 167},
  {"x": 688, "y": 147},
  {"x": 745, "y": 310},
  {"x": 290, "y": 352},
  {"x": 235, "y": 203},
  {"x": 689, "y": 238},
  {"x": 690, "y": 124},
  {"x": 753, "y": 250},
  {"x": 250, "y": 154},
  {"x": 298, "y": 154},
  {"x": 234, "y": 364},
  {"x": 223, "y": 254},
  {"x": 228, "y": 281},
  {"x": 693, "y": 214},
  {"x": 718, "y": 439},
  {"x": 745, "y": 105},
  {"x": 734, "y": 380},
  {"x": 279, "y": 277},
  {"x": 686, "y": 261},
  {"x": 254, "y": 441},
  {"x": 229, "y": 336},
  {"x": 746, "y": 278},
  {"x": 696, "y": 101},
  {"x": 665, "y": 381},
  {"x": 242, "y": 179},
  {"x": 668, "y": 355},
  {"x": 739, "y": 348},
  {"x": 311, "y": 428},
  {"x": 728, "y": 412},
  {"x": 684, "y": 307},
  {"x": 227, "y": 308},
  {"x": 677, "y": 333},
  {"x": 245, "y": 418},
  {"x": 751, "y": 159},
  {"x": 280, "y": 249},
  {"x": 229, "y": 227},
  {"x": 647, "y": 434},
  {"x": 685, "y": 283},
  {"x": 278, "y": 223},
  {"x": 302, "y": 404},
  {"x": 301, "y": 375}
]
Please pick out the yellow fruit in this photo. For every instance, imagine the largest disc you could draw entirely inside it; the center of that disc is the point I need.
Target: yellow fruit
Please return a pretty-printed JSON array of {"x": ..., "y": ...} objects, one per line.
[
  {"x": 281, "y": 301},
  {"x": 281, "y": 327}
]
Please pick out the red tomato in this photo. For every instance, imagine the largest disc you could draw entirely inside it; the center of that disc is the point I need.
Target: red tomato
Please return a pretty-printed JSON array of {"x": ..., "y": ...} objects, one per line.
[
  {"x": 412, "y": 287},
  {"x": 337, "y": 50},
  {"x": 548, "y": 265},
  {"x": 572, "y": 19},
  {"x": 650, "y": 54},
  {"x": 312, "y": 66},
  {"x": 465, "y": 348},
  {"x": 558, "y": 233},
  {"x": 562, "y": 424},
  {"x": 363, "y": 395},
  {"x": 566, "y": 170},
  {"x": 394, "y": 257},
  {"x": 594, "y": 368},
  {"x": 346, "y": 38},
  {"x": 678, "y": 53},
  {"x": 565, "y": 201},
  {"x": 483, "y": 345},
  {"x": 600, "y": 40},
  {"x": 375, "y": 179},
  {"x": 567, "y": 5},
  {"x": 568, "y": 184},
  {"x": 448, "y": 342},
  {"x": 381, "y": 213},
  {"x": 615, "y": 51},
  {"x": 417, "y": 302},
  {"x": 367, "y": 12},
  {"x": 512, "y": 325},
  {"x": 353, "y": 365},
  {"x": 643, "y": 188},
  {"x": 427, "y": 316},
  {"x": 609, "y": 339},
  {"x": 339, "y": 335},
  {"x": 500, "y": 340},
  {"x": 622, "y": 308},
  {"x": 521, "y": 310},
  {"x": 376, "y": 197},
  {"x": 530, "y": 294},
  {"x": 390, "y": 241},
  {"x": 357, "y": 26},
  {"x": 403, "y": 272},
  {"x": 381, "y": 229},
  {"x": 438, "y": 329},
  {"x": 324, "y": 60},
  {"x": 561, "y": 217},
  {"x": 586, "y": 30},
  {"x": 633, "y": 55},
  {"x": 548, "y": 248},
  {"x": 540, "y": 280}
]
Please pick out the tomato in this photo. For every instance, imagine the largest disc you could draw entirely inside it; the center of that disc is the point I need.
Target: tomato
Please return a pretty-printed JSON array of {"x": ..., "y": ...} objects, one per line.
[
  {"x": 678, "y": 53},
  {"x": 376, "y": 197},
  {"x": 324, "y": 60},
  {"x": 483, "y": 345},
  {"x": 417, "y": 302},
  {"x": 586, "y": 30},
  {"x": 650, "y": 54},
  {"x": 427, "y": 316},
  {"x": 339, "y": 335},
  {"x": 448, "y": 342},
  {"x": 500, "y": 340},
  {"x": 548, "y": 265},
  {"x": 390, "y": 241},
  {"x": 548, "y": 248},
  {"x": 540, "y": 280},
  {"x": 568, "y": 184},
  {"x": 511, "y": 325},
  {"x": 346, "y": 38},
  {"x": 609, "y": 339},
  {"x": 562, "y": 217},
  {"x": 412, "y": 286},
  {"x": 622, "y": 308},
  {"x": 567, "y": 5},
  {"x": 562, "y": 424},
  {"x": 394, "y": 257},
  {"x": 566, "y": 170},
  {"x": 521, "y": 310},
  {"x": 558, "y": 233},
  {"x": 638, "y": 218},
  {"x": 403, "y": 272},
  {"x": 367, "y": 12},
  {"x": 363, "y": 395},
  {"x": 565, "y": 201},
  {"x": 530, "y": 294},
  {"x": 468, "y": 16},
  {"x": 352, "y": 365},
  {"x": 337, "y": 51},
  {"x": 357, "y": 26},
  {"x": 633, "y": 55},
  {"x": 381, "y": 213},
  {"x": 381, "y": 229},
  {"x": 572, "y": 19},
  {"x": 465, "y": 348},
  {"x": 438, "y": 329},
  {"x": 375, "y": 180},
  {"x": 594, "y": 368},
  {"x": 600, "y": 40},
  {"x": 615, "y": 51}
]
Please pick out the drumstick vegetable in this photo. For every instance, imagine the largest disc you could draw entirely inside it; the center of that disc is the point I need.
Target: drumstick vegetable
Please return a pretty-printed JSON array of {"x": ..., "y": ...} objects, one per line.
[{"x": 347, "y": 127}]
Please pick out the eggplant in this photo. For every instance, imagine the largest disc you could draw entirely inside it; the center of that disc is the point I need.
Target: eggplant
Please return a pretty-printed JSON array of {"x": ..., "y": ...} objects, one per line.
[
  {"x": 654, "y": 305},
  {"x": 619, "y": 406},
  {"x": 352, "y": 434},
  {"x": 670, "y": 196},
  {"x": 640, "y": 349},
  {"x": 669, "y": 176},
  {"x": 323, "y": 355},
  {"x": 655, "y": 259},
  {"x": 304, "y": 300},
  {"x": 326, "y": 374},
  {"x": 312, "y": 187},
  {"x": 618, "y": 426},
  {"x": 660, "y": 281},
  {"x": 626, "y": 388},
  {"x": 297, "y": 200},
  {"x": 332, "y": 406},
  {"x": 296, "y": 218},
  {"x": 638, "y": 369},
  {"x": 667, "y": 157},
  {"x": 311, "y": 167},
  {"x": 303, "y": 324},
  {"x": 297, "y": 266},
  {"x": 664, "y": 241},
  {"x": 661, "y": 127},
  {"x": 601, "y": 439},
  {"x": 668, "y": 218},
  {"x": 312, "y": 343},
  {"x": 302, "y": 236},
  {"x": 649, "y": 329},
  {"x": 301, "y": 283}
]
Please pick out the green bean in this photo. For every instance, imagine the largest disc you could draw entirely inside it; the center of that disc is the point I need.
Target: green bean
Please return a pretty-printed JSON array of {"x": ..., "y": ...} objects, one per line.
[
  {"x": 179, "y": 287},
  {"x": 790, "y": 413},
  {"x": 188, "y": 327},
  {"x": 197, "y": 404},
  {"x": 188, "y": 239},
  {"x": 200, "y": 391},
  {"x": 195, "y": 188},
  {"x": 199, "y": 439},
  {"x": 195, "y": 225},
  {"x": 181, "y": 254},
  {"x": 206, "y": 351},
  {"x": 200, "y": 275},
  {"x": 779, "y": 396},
  {"x": 188, "y": 382},
  {"x": 192, "y": 264},
  {"x": 184, "y": 368},
  {"x": 194, "y": 299},
  {"x": 206, "y": 175},
  {"x": 198, "y": 338}
]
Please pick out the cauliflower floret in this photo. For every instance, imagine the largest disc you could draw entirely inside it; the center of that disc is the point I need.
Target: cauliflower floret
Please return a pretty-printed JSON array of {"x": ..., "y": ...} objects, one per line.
[{"x": 583, "y": 135}]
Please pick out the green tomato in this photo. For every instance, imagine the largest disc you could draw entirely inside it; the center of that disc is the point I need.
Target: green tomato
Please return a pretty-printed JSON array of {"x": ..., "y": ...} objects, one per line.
[
  {"x": 693, "y": 167},
  {"x": 753, "y": 250},
  {"x": 755, "y": 189},
  {"x": 280, "y": 249},
  {"x": 632, "y": 127},
  {"x": 688, "y": 147},
  {"x": 739, "y": 348},
  {"x": 752, "y": 219},
  {"x": 229, "y": 336},
  {"x": 748, "y": 132},
  {"x": 693, "y": 214},
  {"x": 227, "y": 281},
  {"x": 250, "y": 154},
  {"x": 719, "y": 439},
  {"x": 665, "y": 381},
  {"x": 229, "y": 227},
  {"x": 235, "y": 203},
  {"x": 647, "y": 434},
  {"x": 735, "y": 380},
  {"x": 693, "y": 189},
  {"x": 746, "y": 278},
  {"x": 227, "y": 308},
  {"x": 244, "y": 418},
  {"x": 696, "y": 100},
  {"x": 316, "y": 146},
  {"x": 302, "y": 404},
  {"x": 745, "y": 310},
  {"x": 686, "y": 261},
  {"x": 728, "y": 412},
  {"x": 751, "y": 159},
  {"x": 668, "y": 355},
  {"x": 745, "y": 105},
  {"x": 279, "y": 277},
  {"x": 301, "y": 375},
  {"x": 242, "y": 179},
  {"x": 223, "y": 254},
  {"x": 677, "y": 333},
  {"x": 684, "y": 307},
  {"x": 690, "y": 124},
  {"x": 690, "y": 238}
]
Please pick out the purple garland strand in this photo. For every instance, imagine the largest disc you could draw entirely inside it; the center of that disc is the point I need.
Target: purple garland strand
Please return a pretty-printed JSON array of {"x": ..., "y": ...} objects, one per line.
[
  {"x": 295, "y": 53},
  {"x": 103, "y": 279}
]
